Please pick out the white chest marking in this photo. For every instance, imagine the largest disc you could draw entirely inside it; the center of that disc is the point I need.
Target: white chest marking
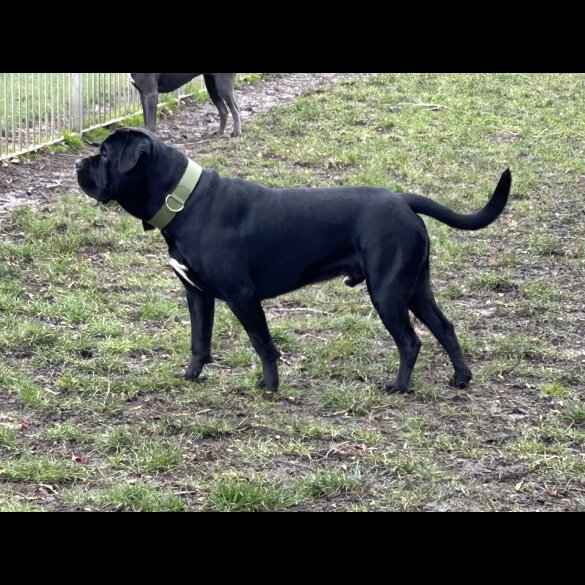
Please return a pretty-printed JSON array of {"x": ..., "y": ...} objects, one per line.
[{"x": 182, "y": 270}]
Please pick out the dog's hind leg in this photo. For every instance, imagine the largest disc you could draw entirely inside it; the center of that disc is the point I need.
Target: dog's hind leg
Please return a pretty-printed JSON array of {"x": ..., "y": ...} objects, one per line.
[
  {"x": 424, "y": 306},
  {"x": 250, "y": 314},
  {"x": 391, "y": 272},
  {"x": 211, "y": 86},
  {"x": 225, "y": 87},
  {"x": 394, "y": 315}
]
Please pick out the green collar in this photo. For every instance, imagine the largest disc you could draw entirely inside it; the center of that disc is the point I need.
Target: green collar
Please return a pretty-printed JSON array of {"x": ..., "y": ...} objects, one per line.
[{"x": 178, "y": 197}]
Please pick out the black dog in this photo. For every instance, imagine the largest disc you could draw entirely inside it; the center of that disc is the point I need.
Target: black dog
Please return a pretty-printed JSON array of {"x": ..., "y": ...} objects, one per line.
[
  {"x": 220, "y": 87},
  {"x": 242, "y": 243}
]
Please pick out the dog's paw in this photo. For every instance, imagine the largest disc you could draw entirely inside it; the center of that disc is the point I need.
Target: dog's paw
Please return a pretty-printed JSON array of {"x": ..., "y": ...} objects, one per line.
[
  {"x": 191, "y": 376},
  {"x": 195, "y": 367},
  {"x": 261, "y": 383},
  {"x": 460, "y": 380},
  {"x": 235, "y": 133},
  {"x": 397, "y": 389}
]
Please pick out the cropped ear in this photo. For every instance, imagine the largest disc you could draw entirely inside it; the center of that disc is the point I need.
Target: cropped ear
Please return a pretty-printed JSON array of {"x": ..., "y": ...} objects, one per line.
[{"x": 134, "y": 147}]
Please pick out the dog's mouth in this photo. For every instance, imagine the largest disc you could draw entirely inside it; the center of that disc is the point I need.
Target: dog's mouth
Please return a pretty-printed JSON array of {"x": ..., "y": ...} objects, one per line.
[
  {"x": 87, "y": 183},
  {"x": 100, "y": 198}
]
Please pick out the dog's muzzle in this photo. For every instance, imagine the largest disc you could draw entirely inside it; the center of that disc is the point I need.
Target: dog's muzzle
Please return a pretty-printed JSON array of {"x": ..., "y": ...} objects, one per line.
[{"x": 86, "y": 181}]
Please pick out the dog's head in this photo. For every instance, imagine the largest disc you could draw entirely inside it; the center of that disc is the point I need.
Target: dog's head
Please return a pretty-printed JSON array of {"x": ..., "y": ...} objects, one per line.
[{"x": 116, "y": 171}]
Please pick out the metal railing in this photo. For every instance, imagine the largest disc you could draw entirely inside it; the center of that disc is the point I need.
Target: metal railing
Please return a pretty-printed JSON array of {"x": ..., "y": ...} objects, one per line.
[{"x": 39, "y": 109}]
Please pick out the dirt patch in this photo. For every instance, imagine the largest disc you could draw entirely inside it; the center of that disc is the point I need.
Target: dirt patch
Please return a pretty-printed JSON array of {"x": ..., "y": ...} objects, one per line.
[{"x": 36, "y": 179}]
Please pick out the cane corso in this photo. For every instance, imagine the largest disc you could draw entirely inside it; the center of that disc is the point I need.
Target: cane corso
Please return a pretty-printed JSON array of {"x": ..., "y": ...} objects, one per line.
[
  {"x": 242, "y": 243},
  {"x": 220, "y": 87}
]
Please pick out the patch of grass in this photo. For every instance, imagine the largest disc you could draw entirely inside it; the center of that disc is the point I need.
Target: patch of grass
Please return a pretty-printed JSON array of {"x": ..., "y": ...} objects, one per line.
[
  {"x": 329, "y": 483},
  {"x": 307, "y": 429},
  {"x": 554, "y": 390},
  {"x": 249, "y": 79},
  {"x": 28, "y": 335},
  {"x": 256, "y": 450},
  {"x": 148, "y": 457},
  {"x": 57, "y": 148},
  {"x": 134, "y": 121},
  {"x": 42, "y": 469},
  {"x": 543, "y": 291},
  {"x": 7, "y": 438},
  {"x": 242, "y": 494},
  {"x": 545, "y": 244},
  {"x": 492, "y": 281},
  {"x": 452, "y": 292},
  {"x": 28, "y": 391},
  {"x": 518, "y": 346},
  {"x": 350, "y": 398},
  {"x": 72, "y": 141},
  {"x": 141, "y": 497},
  {"x": 213, "y": 428},
  {"x": 96, "y": 135},
  {"x": 118, "y": 440},
  {"x": 18, "y": 507},
  {"x": 574, "y": 412},
  {"x": 65, "y": 432}
]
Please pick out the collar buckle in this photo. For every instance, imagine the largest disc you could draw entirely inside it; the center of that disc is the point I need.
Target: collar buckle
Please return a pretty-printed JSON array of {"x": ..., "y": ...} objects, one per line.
[
  {"x": 170, "y": 208},
  {"x": 178, "y": 197}
]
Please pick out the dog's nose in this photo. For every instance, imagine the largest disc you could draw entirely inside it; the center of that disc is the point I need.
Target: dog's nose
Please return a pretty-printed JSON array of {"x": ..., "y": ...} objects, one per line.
[{"x": 78, "y": 164}]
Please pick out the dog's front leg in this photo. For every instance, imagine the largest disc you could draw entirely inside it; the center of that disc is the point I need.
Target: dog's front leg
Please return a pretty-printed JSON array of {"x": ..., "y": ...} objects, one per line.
[
  {"x": 149, "y": 106},
  {"x": 201, "y": 311},
  {"x": 250, "y": 314}
]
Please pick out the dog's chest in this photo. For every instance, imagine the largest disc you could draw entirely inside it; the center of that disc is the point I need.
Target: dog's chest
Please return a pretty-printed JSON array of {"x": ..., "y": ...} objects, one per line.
[{"x": 188, "y": 275}]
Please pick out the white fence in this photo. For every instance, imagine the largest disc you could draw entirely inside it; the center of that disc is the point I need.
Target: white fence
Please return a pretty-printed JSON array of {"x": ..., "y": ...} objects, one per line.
[{"x": 37, "y": 109}]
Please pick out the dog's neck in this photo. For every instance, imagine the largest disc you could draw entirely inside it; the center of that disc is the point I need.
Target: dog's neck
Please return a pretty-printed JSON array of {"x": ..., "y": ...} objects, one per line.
[
  {"x": 176, "y": 200},
  {"x": 146, "y": 197}
]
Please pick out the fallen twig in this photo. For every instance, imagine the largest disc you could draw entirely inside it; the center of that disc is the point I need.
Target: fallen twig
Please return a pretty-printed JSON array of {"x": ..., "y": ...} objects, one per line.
[{"x": 423, "y": 105}]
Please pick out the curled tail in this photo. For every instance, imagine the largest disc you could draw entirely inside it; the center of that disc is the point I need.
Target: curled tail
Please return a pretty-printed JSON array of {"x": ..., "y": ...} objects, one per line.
[{"x": 473, "y": 221}]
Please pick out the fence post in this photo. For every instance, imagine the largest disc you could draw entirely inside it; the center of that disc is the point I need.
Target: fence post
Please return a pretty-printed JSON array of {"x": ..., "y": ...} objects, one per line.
[{"x": 76, "y": 102}]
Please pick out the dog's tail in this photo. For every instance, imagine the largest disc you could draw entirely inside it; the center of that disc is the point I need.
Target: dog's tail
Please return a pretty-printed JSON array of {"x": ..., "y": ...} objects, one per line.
[{"x": 473, "y": 221}]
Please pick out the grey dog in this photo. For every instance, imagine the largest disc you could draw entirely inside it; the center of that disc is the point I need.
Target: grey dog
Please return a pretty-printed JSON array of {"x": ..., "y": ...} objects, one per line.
[{"x": 220, "y": 87}]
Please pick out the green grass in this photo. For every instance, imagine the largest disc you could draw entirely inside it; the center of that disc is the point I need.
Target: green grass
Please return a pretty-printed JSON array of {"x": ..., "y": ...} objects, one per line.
[
  {"x": 73, "y": 142},
  {"x": 94, "y": 327},
  {"x": 42, "y": 469},
  {"x": 247, "y": 495},
  {"x": 7, "y": 438},
  {"x": 16, "y": 507},
  {"x": 554, "y": 390},
  {"x": 96, "y": 135},
  {"x": 328, "y": 483},
  {"x": 141, "y": 498}
]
